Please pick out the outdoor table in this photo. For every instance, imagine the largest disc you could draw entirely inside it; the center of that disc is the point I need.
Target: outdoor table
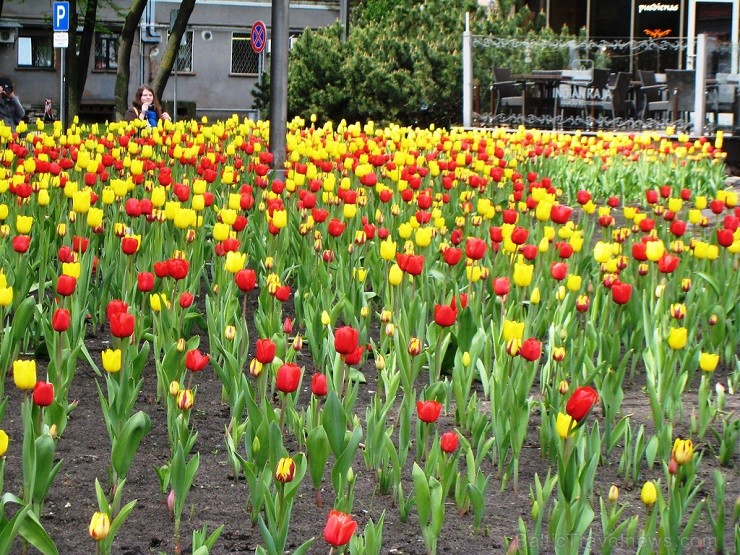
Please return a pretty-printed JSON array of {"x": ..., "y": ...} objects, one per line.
[{"x": 545, "y": 84}]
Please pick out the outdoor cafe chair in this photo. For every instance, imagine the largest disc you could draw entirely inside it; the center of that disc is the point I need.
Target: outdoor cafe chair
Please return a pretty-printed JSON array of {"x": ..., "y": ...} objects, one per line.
[
  {"x": 654, "y": 94},
  {"x": 509, "y": 94}
]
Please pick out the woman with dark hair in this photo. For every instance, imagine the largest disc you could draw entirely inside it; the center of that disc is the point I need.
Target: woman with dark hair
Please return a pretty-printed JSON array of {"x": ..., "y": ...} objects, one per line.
[{"x": 145, "y": 106}]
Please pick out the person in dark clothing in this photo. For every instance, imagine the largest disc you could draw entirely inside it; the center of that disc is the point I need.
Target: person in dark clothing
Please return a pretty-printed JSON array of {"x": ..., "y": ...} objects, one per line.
[
  {"x": 11, "y": 109},
  {"x": 145, "y": 106}
]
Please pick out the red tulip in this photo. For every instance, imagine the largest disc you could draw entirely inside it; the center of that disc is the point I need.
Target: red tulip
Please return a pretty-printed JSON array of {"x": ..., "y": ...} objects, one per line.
[
  {"x": 265, "y": 351},
  {"x": 346, "y": 340},
  {"x": 80, "y": 244},
  {"x": 410, "y": 263},
  {"x": 318, "y": 385},
  {"x": 651, "y": 195},
  {"x": 449, "y": 442},
  {"x": 282, "y": 293},
  {"x": 639, "y": 251},
  {"x": 583, "y": 196},
  {"x": 66, "y": 254},
  {"x": 129, "y": 245},
  {"x": 145, "y": 281},
  {"x": 668, "y": 263},
  {"x": 725, "y": 237},
  {"x": 288, "y": 326},
  {"x": 195, "y": 361},
  {"x": 529, "y": 251},
  {"x": 186, "y": 299},
  {"x": 560, "y": 213},
  {"x": 60, "y": 320},
  {"x": 428, "y": 411},
  {"x": 122, "y": 324},
  {"x": 354, "y": 357},
  {"x": 678, "y": 228},
  {"x": 116, "y": 306},
  {"x": 621, "y": 292},
  {"x": 444, "y": 315},
  {"x": 335, "y": 227},
  {"x": 519, "y": 235},
  {"x": 288, "y": 377},
  {"x": 559, "y": 270},
  {"x": 178, "y": 268},
  {"x": 161, "y": 269},
  {"x": 43, "y": 394},
  {"x": 452, "y": 255},
  {"x": 531, "y": 349},
  {"x": 21, "y": 243},
  {"x": 475, "y": 248},
  {"x": 581, "y": 402},
  {"x": 246, "y": 279},
  {"x": 339, "y": 529},
  {"x": 66, "y": 285},
  {"x": 501, "y": 286}
]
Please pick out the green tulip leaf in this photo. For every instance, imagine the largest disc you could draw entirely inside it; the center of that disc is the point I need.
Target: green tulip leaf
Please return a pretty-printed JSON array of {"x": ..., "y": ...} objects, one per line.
[
  {"x": 127, "y": 442},
  {"x": 317, "y": 450},
  {"x": 334, "y": 421},
  {"x": 422, "y": 495}
]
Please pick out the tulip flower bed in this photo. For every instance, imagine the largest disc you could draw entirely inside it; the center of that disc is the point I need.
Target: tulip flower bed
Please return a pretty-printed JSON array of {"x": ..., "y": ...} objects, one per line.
[{"x": 413, "y": 341}]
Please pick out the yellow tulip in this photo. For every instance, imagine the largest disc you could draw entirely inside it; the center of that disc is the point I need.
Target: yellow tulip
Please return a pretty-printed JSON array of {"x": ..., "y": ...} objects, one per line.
[
  {"x": 649, "y": 494},
  {"x": 534, "y": 297},
  {"x": 23, "y": 224},
  {"x": 24, "y": 374},
  {"x": 602, "y": 252},
  {"x": 513, "y": 330},
  {"x": 573, "y": 282},
  {"x": 654, "y": 250},
  {"x": 112, "y": 360},
  {"x": 682, "y": 450},
  {"x": 235, "y": 261},
  {"x": 423, "y": 236},
  {"x": 708, "y": 361},
  {"x": 523, "y": 274},
  {"x": 6, "y": 296},
  {"x": 677, "y": 338},
  {"x": 4, "y": 440},
  {"x": 99, "y": 526},
  {"x": 564, "y": 425},
  {"x": 395, "y": 275},
  {"x": 388, "y": 249},
  {"x": 81, "y": 201},
  {"x": 95, "y": 217}
]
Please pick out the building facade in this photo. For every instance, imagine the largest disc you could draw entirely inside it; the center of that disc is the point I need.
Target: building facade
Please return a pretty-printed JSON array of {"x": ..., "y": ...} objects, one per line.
[{"x": 215, "y": 73}]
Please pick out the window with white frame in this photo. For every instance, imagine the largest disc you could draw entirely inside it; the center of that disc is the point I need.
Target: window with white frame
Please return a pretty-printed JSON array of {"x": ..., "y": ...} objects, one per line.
[
  {"x": 244, "y": 60},
  {"x": 106, "y": 52},
  {"x": 35, "y": 51}
]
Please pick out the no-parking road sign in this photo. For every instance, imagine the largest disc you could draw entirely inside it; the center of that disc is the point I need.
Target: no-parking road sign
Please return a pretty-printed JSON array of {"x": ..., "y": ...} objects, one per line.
[{"x": 259, "y": 36}]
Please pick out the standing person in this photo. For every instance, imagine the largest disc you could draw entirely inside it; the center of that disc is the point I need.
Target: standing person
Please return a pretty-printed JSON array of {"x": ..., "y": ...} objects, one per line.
[
  {"x": 11, "y": 110},
  {"x": 146, "y": 107}
]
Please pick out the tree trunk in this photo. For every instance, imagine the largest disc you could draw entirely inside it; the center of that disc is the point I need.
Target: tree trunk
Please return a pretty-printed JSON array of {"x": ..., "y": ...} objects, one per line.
[
  {"x": 71, "y": 92},
  {"x": 86, "y": 45},
  {"x": 173, "y": 47},
  {"x": 125, "y": 43}
]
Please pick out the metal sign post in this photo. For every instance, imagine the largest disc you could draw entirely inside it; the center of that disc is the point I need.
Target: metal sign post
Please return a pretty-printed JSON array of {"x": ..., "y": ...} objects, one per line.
[
  {"x": 60, "y": 24},
  {"x": 258, "y": 40}
]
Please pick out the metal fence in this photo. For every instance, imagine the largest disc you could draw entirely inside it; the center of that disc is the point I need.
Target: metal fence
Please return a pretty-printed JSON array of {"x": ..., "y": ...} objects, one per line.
[{"x": 576, "y": 59}]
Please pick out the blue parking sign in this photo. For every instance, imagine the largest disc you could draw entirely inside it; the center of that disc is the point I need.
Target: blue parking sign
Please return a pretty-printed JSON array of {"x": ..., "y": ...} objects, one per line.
[{"x": 60, "y": 17}]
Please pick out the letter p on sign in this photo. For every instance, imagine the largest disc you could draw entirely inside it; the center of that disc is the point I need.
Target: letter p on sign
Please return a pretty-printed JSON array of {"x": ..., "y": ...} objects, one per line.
[{"x": 60, "y": 17}]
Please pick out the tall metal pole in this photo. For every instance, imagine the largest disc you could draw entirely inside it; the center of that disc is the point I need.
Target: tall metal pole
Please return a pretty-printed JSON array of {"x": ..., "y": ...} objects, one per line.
[
  {"x": 467, "y": 63},
  {"x": 632, "y": 38},
  {"x": 62, "y": 90},
  {"x": 279, "y": 84}
]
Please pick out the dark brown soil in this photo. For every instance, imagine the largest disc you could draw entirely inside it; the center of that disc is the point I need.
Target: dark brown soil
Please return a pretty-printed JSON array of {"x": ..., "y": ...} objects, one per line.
[{"x": 216, "y": 498}]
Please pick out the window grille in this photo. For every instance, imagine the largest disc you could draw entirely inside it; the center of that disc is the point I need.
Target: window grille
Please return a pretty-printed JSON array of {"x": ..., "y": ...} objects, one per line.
[
  {"x": 244, "y": 60},
  {"x": 184, "y": 61}
]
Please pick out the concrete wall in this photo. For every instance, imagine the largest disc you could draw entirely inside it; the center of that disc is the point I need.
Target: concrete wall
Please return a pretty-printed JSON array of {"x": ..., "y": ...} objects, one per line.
[{"x": 216, "y": 92}]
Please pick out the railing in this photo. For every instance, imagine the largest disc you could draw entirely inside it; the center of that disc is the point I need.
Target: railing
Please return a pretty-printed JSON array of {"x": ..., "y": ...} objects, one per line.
[{"x": 522, "y": 55}]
